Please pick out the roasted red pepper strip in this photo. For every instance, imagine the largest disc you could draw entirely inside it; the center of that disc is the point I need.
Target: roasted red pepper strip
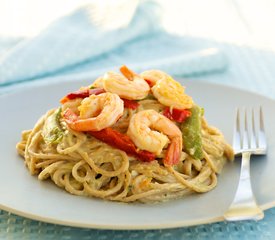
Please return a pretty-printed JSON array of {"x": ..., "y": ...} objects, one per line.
[
  {"x": 177, "y": 115},
  {"x": 81, "y": 94},
  {"x": 130, "y": 104},
  {"x": 122, "y": 142}
]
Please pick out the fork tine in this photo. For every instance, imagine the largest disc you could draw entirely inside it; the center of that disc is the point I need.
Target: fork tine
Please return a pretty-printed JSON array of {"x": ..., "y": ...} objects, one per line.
[
  {"x": 253, "y": 140},
  {"x": 244, "y": 206},
  {"x": 262, "y": 138},
  {"x": 237, "y": 135},
  {"x": 245, "y": 132}
]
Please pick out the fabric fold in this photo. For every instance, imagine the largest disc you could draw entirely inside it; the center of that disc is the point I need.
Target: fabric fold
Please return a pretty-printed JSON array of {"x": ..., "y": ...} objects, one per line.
[
  {"x": 71, "y": 40},
  {"x": 87, "y": 42}
]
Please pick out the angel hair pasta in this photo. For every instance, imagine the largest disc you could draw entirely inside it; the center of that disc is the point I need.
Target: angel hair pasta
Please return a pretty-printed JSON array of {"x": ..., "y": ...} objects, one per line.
[{"x": 127, "y": 137}]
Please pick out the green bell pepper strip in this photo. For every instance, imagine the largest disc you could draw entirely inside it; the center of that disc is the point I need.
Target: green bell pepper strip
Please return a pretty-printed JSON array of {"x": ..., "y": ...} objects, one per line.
[
  {"x": 52, "y": 132},
  {"x": 191, "y": 133}
]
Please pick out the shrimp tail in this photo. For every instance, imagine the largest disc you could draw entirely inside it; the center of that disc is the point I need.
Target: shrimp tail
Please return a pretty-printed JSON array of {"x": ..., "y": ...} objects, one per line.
[
  {"x": 77, "y": 124},
  {"x": 73, "y": 120},
  {"x": 127, "y": 72},
  {"x": 69, "y": 116},
  {"x": 173, "y": 153}
]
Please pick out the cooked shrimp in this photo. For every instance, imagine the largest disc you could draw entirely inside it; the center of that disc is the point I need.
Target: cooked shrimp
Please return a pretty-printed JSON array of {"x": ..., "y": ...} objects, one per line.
[
  {"x": 153, "y": 76},
  {"x": 152, "y": 131},
  {"x": 98, "y": 83},
  {"x": 168, "y": 91},
  {"x": 96, "y": 112},
  {"x": 72, "y": 104},
  {"x": 129, "y": 85}
]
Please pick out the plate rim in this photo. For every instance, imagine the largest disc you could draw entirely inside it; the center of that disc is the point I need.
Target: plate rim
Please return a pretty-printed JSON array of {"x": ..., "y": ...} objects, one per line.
[{"x": 119, "y": 226}]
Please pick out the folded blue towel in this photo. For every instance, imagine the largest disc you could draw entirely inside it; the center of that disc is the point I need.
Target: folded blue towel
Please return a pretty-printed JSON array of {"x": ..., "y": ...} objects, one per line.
[{"x": 76, "y": 44}]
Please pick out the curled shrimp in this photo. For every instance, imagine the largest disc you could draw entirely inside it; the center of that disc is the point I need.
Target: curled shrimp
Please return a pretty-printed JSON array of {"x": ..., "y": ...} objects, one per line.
[
  {"x": 129, "y": 85},
  {"x": 168, "y": 91},
  {"x": 96, "y": 112},
  {"x": 152, "y": 131},
  {"x": 153, "y": 76}
]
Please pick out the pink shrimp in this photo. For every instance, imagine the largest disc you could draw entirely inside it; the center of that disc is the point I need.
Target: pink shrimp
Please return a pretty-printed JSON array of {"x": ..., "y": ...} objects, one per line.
[
  {"x": 96, "y": 112},
  {"x": 152, "y": 131}
]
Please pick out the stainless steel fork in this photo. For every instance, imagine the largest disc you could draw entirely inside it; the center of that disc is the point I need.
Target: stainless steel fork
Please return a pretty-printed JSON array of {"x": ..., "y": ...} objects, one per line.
[{"x": 249, "y": 139}]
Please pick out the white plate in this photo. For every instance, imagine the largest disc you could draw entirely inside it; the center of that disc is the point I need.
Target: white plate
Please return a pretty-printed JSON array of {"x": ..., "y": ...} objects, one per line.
[{"x": 25, "y": 195}]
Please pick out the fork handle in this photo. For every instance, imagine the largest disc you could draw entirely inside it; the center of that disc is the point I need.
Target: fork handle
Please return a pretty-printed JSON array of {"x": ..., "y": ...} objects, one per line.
[{"x": 244, "y": 206}]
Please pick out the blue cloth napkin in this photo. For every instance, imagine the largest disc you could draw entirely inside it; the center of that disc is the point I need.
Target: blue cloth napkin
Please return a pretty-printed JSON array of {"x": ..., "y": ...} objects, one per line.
[{"x": 78, "y": 44}]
